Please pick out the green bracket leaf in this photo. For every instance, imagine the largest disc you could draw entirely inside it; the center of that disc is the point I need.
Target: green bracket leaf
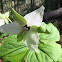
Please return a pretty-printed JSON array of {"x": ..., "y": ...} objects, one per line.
[
  {"x": 48, "y": 32},
  {"x": 13, "y": 51}
]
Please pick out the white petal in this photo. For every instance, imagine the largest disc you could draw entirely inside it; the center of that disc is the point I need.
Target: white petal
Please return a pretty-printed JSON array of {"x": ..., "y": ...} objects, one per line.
[
  {"x": 2, "y": 15},
  {"x": 35, "y": 17},
  {"x": 12, "y": 28},
  {"x": 31, "y": 40},
  {"x": 2, "y": 22}
]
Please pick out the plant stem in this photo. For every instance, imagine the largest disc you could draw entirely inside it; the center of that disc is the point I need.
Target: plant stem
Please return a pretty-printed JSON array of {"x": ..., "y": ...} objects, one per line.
[{"x": 9, "y": 20}]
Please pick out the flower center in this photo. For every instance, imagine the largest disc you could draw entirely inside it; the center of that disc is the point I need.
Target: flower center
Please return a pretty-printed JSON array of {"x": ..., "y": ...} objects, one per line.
[{"x": 27, "y": 27}]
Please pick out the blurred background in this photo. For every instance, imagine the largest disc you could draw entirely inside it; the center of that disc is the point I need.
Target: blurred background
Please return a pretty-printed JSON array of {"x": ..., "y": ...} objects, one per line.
[
  {"x": 53, "y": 10},
  {"x": 24, "y": 6}
]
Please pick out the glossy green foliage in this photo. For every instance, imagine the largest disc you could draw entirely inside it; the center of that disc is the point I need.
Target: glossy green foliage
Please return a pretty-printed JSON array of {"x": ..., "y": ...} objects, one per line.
[
  {"x": 13, "y": 51},
  {"x": 48, "y": 32},
  {"x": 20, "y": 36}
]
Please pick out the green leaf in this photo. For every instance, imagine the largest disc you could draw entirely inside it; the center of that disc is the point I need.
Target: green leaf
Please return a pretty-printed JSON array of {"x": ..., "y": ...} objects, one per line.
[
  {"x": 17, "y": 17},
  {"x": 13, "y": 51},
  {"x": 61, "y": 55},
  {"x": 16, "y": 56},
  {"x": 28, "y": 58},
  {"x": 53, "y": 50},
  {"x": 42, "y": 28},
  {"x": 47, "y": 53},
  {"x": 34, "y": 28},
  {"x": 20, "y": 36},
  {"x": 49, "y": 33},
  {"x": 61, "y": 52},
  {"x": 1, "y": 36}
]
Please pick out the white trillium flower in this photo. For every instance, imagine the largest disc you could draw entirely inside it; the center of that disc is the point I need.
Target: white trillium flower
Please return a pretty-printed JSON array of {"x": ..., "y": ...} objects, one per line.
[
  {"x": 4, "y": 18},
  {"x": 2, "y": 22},
  {"x": 31, "y": 38}
]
